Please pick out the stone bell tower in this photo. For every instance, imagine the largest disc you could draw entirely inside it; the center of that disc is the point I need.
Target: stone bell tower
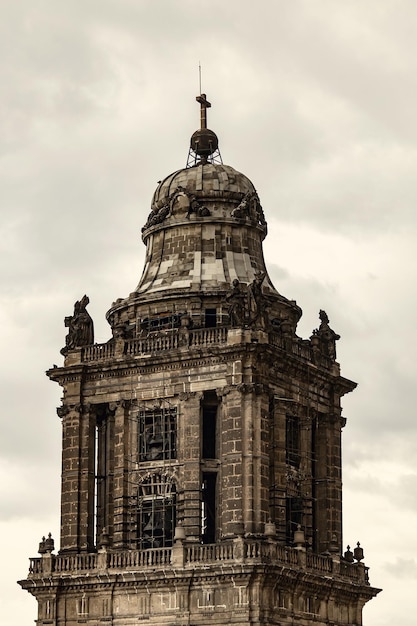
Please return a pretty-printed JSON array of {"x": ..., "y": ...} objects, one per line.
[{"x": 201, "y": 461}]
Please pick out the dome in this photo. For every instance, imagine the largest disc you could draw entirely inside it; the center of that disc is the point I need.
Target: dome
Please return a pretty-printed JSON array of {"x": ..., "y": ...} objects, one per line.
[{"x": 204, "y": 181}]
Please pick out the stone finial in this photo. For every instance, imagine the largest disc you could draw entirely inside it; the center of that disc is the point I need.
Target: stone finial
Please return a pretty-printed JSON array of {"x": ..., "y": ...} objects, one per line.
[
  {"x": 299, "y": 537},
  {"x": 270, "y": 530},
  {"x": 104, "y": 539},
  {"x": 348, "y": 555},
  {"x": 42, "y": 549},
  {"x": 179, "y": 534},
  {"x": 358, "y": 552},
  {"x": 46, "y": 545}
]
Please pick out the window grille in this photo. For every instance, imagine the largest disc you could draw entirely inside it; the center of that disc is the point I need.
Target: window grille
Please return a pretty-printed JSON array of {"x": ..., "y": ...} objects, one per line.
[
  {"x": 292, "y": 447},
  {"x": 156, "y": 512},
  {"x": 157, "y": 434}
]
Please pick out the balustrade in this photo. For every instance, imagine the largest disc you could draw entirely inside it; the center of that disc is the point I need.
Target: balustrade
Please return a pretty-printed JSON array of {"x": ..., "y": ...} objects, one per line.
[
  {"x": 75, "y": 562},
  {"x": 158, "y": 342},
  {"x": 98, "y": 351},
  {"x": 154, "y": 557},
  {"x": 194, "y": 338},
  {"x": 199, "y": 554}
]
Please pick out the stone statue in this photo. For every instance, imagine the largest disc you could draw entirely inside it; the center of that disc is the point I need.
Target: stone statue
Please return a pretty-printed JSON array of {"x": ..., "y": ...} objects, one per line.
[
  {"x": 80, "y": 327},
  {"x": 236, "y": 302},
  {"x": 257, "y": 301},
  {"x": 326, "y": 337},
  {"x": 250, "y": 207},
  {"x": 242, "y": 210}
]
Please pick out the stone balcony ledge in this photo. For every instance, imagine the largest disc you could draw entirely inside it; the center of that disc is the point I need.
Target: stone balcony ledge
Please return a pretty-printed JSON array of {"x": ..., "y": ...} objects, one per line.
[
  {"x": 196, "y": 339},
  {"x": 193, "y": 556}
]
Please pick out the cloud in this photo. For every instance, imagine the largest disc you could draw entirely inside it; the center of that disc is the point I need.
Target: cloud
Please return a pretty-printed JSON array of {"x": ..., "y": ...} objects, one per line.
[
  {"x": 315, "y": 103},
  {"x": 403, "y": 568}
]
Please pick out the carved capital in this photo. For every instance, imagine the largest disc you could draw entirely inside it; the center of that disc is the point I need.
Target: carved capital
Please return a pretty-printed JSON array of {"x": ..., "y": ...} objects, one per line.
[
  {"x": 186, "y": 395},
  {"x": 75, "y": 408},
  {"x": 62, "y": 411},
  {"x": 224, "y": 391},
  {"x": 250, "y": 388}
]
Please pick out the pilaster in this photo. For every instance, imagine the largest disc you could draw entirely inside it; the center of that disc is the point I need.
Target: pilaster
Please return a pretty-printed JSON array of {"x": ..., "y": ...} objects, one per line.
[
  {"x": 189, "y": 429},
  {"x": 122, "y": 435}
]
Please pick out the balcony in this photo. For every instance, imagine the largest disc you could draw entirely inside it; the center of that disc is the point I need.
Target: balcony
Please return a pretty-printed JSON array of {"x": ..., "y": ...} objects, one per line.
[
  {"x": 189, "y": 557},
  {"x": 195, "y": 339}
]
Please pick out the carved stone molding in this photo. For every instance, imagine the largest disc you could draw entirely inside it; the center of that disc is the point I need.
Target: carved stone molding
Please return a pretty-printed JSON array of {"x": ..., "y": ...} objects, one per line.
[
  {"x": 251, "y": 388},
  {"x": 75, "y": 408},
  {"x": 186, "y": 395}
]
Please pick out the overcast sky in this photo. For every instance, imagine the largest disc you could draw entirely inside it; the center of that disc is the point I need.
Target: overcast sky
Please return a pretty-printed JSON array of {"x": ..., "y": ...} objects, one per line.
[{"x": 316, "y": 102}]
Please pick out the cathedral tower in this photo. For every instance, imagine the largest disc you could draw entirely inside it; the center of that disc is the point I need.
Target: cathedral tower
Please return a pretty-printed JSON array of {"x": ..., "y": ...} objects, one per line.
[{"x": 201, "y": 461}]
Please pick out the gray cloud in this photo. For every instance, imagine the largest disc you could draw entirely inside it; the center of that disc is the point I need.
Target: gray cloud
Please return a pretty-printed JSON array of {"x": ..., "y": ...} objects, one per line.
[{"x": 315, "y": 102}]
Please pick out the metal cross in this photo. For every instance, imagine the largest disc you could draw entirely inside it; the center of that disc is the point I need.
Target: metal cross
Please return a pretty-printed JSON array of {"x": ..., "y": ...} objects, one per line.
[{"x": 204, "y": 105}]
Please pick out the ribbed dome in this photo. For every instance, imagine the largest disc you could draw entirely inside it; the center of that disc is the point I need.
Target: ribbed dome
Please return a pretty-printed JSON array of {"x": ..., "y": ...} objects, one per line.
[{"x": 206, "y": 181}]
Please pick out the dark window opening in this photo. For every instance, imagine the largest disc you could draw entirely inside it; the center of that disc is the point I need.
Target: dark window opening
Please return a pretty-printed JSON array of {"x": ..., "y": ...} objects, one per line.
[
  {"x": 314, "y": 478},
  {"x": 208, "y": 508},
  {"x": 294, "y": 517},
  {"x": 292, "y": 445},
  {"x": 156, "y": 513},
  {"x": 210, "y": 318},
  {"x": 102, "y": 467},
  {"x": 157, "y": 435},
  {"x": 209, "y": 425},
  {"x": 161, "y": 321}
]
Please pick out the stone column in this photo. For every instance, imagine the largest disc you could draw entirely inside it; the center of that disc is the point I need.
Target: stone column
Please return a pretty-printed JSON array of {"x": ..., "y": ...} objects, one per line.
[
  {"x": 279, "y": 467},
  {"x": 306, "y": 471},
  {"x": 244, "y": 460},
  {"x": 230, "y": 496},
  {"x": 328, "y": 481},
  {"x": 255, "y": 459},
  {"x": 86, "y": 489},
  {"x": 121, "y": 472},
  {"x": 189, "y": 454},
  {"x": 69, "y": 476},
  {"x": 77, "y": 492}
]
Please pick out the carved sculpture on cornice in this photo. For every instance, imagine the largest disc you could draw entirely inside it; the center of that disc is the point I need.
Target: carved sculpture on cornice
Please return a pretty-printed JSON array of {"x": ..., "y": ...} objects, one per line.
[
  {"x": 324, "y": 338},
  {"x": 180, "y": 201},
  {"x": 250, "y": 206},
  {"x": 236, "y": 305},
  {"x": 257, "y": 301},
  {"x": 62, "y": 411},
  {"x": 80, "y": 327}
]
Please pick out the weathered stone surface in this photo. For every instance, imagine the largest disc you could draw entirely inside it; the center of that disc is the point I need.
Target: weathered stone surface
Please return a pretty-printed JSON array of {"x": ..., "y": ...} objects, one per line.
[{"x": 200, "y": 438}]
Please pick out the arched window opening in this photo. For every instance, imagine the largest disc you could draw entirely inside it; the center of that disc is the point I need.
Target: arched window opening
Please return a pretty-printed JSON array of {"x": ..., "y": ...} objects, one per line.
[{"x": 156, "y": 512}]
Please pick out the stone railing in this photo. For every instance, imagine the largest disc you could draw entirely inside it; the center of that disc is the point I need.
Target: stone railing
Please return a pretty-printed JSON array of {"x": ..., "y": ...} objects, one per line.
[
  {"x": 63, "y": 563},
  {"x": 158, "y": 342},
  {"x": 152, "y": 344},
  {"x": 207, "y": 336},
  {"x": 209, "y": 553},
  {"x": 98, "y": 351},
  {"x": 191, "y": 556},
  {"x": 193, "y": 339},
  {"x": 137, "y": 559}
]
